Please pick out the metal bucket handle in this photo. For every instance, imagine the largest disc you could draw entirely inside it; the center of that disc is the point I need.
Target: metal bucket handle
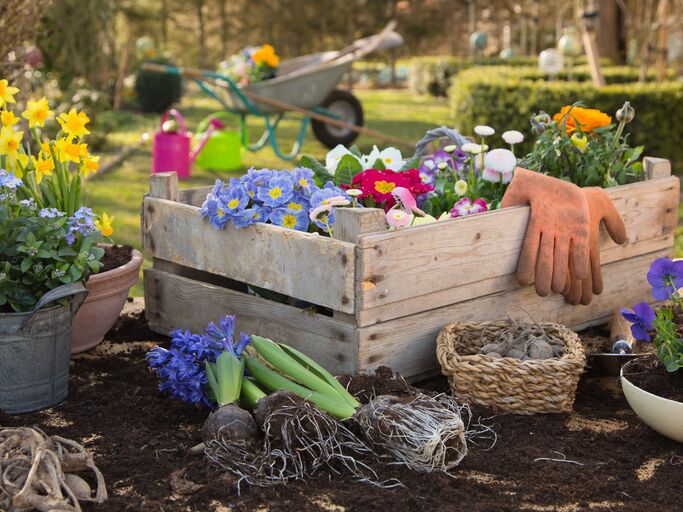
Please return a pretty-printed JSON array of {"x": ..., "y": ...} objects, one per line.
[{"x": 75, "y": 290}]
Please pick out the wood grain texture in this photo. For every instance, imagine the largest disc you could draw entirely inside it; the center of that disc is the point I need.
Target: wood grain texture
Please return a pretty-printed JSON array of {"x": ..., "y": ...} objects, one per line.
[
  {"x": 350, "y": 223},
  {"x": 421, "y": 268},
  {"x": 164, "y": 185},
  {"x": 306, "y": 266},
  {"x": 194, "y": 196},
  {"x": 656, "y": 167},
  {"x": 407, "y": 344},
  {"x": 177, "y": 302}
]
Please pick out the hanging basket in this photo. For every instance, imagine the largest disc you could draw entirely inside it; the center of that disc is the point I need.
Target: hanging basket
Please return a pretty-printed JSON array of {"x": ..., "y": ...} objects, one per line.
[{"x": 508, "y": 384}]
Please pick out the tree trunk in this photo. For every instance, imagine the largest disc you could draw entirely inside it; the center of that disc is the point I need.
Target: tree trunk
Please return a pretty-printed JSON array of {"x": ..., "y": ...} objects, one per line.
[
  {"x": 199, "y": 4},
  {"x": 222, "y": 8}
]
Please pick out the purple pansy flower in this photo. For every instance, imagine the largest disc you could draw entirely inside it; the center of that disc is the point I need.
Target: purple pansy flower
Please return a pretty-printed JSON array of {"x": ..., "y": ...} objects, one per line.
[
  {"x": 641, "y": 319},
  {"x": 666, "y": 278}
]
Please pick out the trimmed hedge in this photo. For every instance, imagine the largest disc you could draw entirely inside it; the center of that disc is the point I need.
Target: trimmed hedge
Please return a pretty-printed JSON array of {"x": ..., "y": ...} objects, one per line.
[
  {"x": 506, "y": 97},
  {"x": 432, "y": 75}
]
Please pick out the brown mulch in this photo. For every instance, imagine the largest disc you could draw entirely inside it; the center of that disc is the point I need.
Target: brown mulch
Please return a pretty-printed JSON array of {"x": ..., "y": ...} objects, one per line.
[{"x": 140, "y": 439}]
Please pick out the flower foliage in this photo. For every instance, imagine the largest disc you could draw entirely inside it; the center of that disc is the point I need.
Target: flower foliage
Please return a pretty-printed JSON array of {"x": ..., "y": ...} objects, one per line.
[
  {"x": 252, "y": 64},
  {"x": 666, "y": 278},
  {"x": 582, "y": 146},
  {"x": 41, "y": 248},
  {"x": 182, "y": 367},
  {"x": 284, "y": 198}
]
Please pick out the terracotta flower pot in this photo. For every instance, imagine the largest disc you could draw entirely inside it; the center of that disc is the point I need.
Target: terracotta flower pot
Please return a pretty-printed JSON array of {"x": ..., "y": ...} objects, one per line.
[
  {"x": 661, "y": 414},
  {"x": 107, "y": 294}
]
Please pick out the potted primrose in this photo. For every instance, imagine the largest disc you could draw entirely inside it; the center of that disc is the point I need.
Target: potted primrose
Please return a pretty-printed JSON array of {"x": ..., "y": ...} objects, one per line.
[
  {"x": 653, "y": 385},
  {"x": 52, "y": 178}
]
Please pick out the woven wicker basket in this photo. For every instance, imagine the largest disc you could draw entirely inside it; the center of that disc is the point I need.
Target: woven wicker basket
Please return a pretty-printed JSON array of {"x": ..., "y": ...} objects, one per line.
[{"x": 508, "y": 384}]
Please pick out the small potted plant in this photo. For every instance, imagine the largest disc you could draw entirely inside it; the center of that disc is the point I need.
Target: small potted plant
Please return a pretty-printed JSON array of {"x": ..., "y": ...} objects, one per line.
[
  {"x": 52, "y": 172},
  {"x": 653, "y": 385}
]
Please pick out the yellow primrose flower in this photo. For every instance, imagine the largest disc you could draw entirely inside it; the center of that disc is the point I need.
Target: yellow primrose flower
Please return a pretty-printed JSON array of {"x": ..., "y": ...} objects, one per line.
[
  {"x": 67, "y": 150},
  {"x": 7, "y": 118},
  {"x": 74, "y": 123},
  {"x": 10, "y": 142},
  {"x": 104, "y": 225},
  {"x": 42, "y": 166},
  {"x": 7, "y": 93},
  {"x": 90, "y": 164},
  {"x": 37, "y": 112}
]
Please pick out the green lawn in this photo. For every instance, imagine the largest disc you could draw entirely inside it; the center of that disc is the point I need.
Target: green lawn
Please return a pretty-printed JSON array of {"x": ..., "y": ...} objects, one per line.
[{"x": 119, "y": 192}]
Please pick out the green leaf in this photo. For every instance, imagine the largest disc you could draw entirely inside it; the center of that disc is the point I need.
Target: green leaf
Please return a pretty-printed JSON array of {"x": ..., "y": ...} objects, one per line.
[
  {"x": 440, "y": 185},
  {"x": 379, "y": 165},
  {"x": 318, "y": 169},
  {"x": 356, "y": 152},
  {"x": 412, "y": 163},
  {"x": 348, "y": 167},
  {"x": 26, "y": 264}
]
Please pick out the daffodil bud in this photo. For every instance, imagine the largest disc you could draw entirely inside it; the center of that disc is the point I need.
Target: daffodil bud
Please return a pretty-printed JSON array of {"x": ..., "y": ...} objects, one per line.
[
  {"x": 579, "y": 142},
  {"x": 626, "y": 113}
]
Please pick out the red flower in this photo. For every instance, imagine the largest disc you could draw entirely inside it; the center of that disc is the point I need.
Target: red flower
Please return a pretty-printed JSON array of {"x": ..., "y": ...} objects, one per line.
[{"x": 378, "y": 185}]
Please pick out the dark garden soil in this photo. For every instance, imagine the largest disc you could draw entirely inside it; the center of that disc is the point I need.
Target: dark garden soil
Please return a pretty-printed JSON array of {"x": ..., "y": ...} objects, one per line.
[
  {"x": 649, "y": 374},
  {"x": 116, "y": 256},
  {"x": 604, "y": 457}
]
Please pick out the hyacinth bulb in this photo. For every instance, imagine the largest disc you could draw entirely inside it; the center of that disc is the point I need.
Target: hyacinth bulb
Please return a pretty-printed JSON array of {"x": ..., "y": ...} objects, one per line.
[{"x": 626, "y": 113}]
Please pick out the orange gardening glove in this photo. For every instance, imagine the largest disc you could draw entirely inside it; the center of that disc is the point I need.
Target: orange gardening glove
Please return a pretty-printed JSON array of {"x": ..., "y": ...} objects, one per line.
[
  {"x": 558, "y": 227},
  {"x": 601, "y": 210}
]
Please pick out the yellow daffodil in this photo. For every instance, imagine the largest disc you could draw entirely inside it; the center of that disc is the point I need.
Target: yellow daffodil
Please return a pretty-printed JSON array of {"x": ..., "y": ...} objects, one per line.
[
  {"x": 68, "y": 151},
  {"x": 90, "y": 164},
  {"x": 104, "y": 224},
  {"x": 22, "y": 158},
  {"x": 10, "y": 142},
  {"x": 43, "y": 167},
  {"x": 7, "y": 118},
  {"x": 7, "y": 93},
  {"x": 37, "y": 112},
  {"x": 73, "y": 123}
]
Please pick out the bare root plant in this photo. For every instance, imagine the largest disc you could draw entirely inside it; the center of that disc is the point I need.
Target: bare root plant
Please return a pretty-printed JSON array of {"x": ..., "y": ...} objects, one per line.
[{"x": 38, "y": 472}]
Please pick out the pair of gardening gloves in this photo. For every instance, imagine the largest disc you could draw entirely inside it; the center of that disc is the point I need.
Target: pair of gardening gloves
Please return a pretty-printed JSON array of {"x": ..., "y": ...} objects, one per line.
[{"x": 561, "y": 248}]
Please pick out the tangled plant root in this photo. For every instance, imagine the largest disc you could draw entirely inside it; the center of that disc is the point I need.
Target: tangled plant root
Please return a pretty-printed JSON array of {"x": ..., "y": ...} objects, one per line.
[
  {"x": 35, "y": 472},
  {"x": 422, "y": 432},
  {"x": 299, "y": 439}
]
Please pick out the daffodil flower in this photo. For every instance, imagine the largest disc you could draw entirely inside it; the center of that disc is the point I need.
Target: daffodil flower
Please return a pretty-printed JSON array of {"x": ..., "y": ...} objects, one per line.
[
  {"x": 10, "y": 142},
  {"x": 37, "y": 112},
  {"x": 7, "y": 93},
  {"x": 42, "y": 166},
  {"x": 90, "y": 164},
  {"x": 7, "y": 118},
  {"x": 68, "y": 151},
  {"x": 104, "y": 225},
  {"x": 73, "y": 123}
]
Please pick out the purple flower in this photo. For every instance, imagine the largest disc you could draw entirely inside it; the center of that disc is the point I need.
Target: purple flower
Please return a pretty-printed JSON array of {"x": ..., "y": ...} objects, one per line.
[
  {"x": 641, "y": 317},
  {"x": 665, "y": 277},
  {"x": 9, "y": 180},
  {"x": 277, "y": 191},
  {"x": 50, "y": 213}
]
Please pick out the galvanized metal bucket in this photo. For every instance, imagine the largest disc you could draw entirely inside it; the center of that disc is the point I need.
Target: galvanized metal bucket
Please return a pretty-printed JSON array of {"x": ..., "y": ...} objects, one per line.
[{"x": 35, "y": 349}]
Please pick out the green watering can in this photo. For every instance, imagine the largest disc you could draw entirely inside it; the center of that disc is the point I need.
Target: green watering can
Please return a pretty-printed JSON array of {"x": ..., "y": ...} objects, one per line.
[{"x": 223, "y": 149}]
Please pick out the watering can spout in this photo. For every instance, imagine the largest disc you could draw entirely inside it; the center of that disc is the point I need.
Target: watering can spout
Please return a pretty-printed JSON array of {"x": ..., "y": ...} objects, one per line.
[{"x": 214, "y": 124}]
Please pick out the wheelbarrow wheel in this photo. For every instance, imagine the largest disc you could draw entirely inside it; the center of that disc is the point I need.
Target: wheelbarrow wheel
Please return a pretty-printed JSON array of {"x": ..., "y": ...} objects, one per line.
[{"x": 349, "y": 110}]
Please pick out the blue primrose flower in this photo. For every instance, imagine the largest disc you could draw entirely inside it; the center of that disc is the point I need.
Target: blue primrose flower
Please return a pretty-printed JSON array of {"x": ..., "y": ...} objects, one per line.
[
  {"x": 251, "y": 216},
  {"x": 666, "y": 277},
  {"x": 216, "y": 211},
  {"x": 303, "y": 179},
  {"x": 297, "y": 204},
  {"x": 288, "y": 219},
  {"x": 254, "y": 179},
  {"x": 329, "y": 191},
  {"x": 235, "y": 199},
  {"x": 277, "y": 191},
  {"x": 641, "y": 319}
]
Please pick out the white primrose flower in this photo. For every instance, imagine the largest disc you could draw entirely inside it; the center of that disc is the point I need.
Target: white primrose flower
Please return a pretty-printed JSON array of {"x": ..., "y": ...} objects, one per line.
[
  {"x": 513, "y": 137},
  {"x": 368, "y": 161},
  {"x": 390, "y": 157},
  {"x": 333, "y": 158},
  {"x": 484, "y": 131}
]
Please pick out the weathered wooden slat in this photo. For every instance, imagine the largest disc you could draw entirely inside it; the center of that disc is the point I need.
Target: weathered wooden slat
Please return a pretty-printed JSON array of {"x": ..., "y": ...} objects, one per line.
[
  {"x": 177, "y": 302},
  {"x": 408, "y": 344},
  {"x": 306, "y": 266},
  {"x": 194, "y": 196},
  {"x": 164, "y": 185},
  {"x": 429, "y": 264}
]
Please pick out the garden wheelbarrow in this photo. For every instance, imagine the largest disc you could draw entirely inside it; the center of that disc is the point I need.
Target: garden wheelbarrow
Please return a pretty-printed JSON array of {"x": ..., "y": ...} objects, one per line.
[{"x": 305, "y": 85}]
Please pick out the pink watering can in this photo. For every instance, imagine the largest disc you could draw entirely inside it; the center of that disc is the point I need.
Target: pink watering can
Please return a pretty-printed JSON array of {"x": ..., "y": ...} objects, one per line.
[{"x": 171, "y": 149}]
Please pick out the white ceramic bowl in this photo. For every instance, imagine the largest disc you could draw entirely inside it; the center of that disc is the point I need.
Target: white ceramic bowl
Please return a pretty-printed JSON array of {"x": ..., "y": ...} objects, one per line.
[{"x": 661, "y": 414}]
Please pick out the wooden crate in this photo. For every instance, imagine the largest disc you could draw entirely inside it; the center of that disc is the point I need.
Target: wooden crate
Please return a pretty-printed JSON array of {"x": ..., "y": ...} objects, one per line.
[{"x": 372, "y": 297}]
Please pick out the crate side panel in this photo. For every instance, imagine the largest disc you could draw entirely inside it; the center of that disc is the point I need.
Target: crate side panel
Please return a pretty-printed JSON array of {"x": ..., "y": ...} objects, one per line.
[
  {"x": 177, "y": 302},
  {"x": 428, "y": 264},
  {"x": 408, "y": 344},
  {"x": 309, "y": 267}
]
